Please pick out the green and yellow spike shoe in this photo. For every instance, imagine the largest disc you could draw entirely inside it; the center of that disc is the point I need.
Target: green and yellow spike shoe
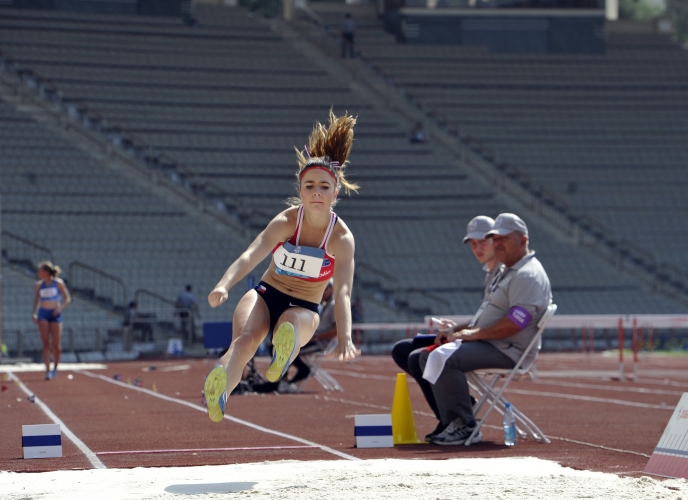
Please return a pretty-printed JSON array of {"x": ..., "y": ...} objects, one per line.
[
  {"x": 284, "y": 340},
  {"x": 215, "y": 392}
]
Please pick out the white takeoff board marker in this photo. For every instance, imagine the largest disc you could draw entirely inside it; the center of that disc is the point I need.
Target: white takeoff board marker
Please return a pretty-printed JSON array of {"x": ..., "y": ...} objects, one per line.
[
  {"x": 373, "y": 431},
  {"x": 42, "y": 441}
]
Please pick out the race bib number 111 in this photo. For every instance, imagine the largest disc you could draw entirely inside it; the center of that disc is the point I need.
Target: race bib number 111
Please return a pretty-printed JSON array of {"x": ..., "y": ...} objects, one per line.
[{"x": 300, "y": 261}]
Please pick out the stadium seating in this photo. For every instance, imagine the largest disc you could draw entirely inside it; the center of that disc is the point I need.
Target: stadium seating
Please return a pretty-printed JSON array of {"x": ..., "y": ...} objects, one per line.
[
  {"x": 608, "y": 133},
  {"x": 81, "y": 317},
  {"x": 230, "y": 98}
]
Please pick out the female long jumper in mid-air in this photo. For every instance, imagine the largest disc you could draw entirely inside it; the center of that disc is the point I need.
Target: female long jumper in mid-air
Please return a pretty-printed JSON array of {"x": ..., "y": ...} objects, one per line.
[{"x": 304, "y": 241}]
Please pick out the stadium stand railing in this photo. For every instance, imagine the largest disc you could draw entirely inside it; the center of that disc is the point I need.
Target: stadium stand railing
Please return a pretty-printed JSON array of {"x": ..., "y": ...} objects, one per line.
[
  {"x": 156, "y": 312},
  {"x": 625, "y": 255},
  {"x": 116, "y": 140},
  {"x": 97, "y": 286},
  {"x": 22, "y": 253},
  {"x": 230, "y": 108},
  {"x": 85, "y": 281},
  {"x": 211, "y": 197}
]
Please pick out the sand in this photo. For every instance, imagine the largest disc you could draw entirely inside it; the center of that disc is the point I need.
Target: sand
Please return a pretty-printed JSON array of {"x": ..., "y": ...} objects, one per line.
[{"x": 493, "y": 478}]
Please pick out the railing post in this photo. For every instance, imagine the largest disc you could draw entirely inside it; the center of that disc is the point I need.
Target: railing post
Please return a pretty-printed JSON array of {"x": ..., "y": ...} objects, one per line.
[
  {"x": 20, "y": 343},
  {"x": 622, "y": 375},
  {"x": 127, "y": 339},
  {"x": 635, "y": 349}
]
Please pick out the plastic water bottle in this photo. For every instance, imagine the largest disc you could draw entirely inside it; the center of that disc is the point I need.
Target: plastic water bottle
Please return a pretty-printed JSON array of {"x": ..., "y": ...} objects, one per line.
[{"x": 510, "y": 437}]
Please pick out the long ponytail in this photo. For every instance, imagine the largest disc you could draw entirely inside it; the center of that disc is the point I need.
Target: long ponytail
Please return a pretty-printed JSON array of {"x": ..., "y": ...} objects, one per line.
[{"x": 329, "y": 147}]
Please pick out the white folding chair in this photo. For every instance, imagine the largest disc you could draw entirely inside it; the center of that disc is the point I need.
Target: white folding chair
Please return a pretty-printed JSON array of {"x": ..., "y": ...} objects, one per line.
[
  {"x": 478, "y": 380},
  {"x": 313, "y": 361}
]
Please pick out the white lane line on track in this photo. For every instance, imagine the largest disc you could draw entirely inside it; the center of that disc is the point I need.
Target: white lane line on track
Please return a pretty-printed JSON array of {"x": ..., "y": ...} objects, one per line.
[
  {"x": 206, "y": 450},
  {"x": 364, "y": 375},
  {"x": 641, "y": 390},
  {"x": 95, "y": 461},
  {"x": 590, "y": 398},
  {"x": 228, "y": 417},
  {"x": 665, "y": 382},
  {"x": 426, "y": 414},
  {"x": 575, "y": 441},
  {"x": 544, "y": 382}
]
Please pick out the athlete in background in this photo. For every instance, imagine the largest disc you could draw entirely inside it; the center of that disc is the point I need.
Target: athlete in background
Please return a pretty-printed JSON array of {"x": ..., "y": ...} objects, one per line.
[{"x": 50, "y": 299}]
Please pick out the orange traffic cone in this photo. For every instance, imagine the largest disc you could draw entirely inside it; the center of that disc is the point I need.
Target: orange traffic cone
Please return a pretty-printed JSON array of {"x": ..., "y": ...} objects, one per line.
[{"x": 403, "y": 424}]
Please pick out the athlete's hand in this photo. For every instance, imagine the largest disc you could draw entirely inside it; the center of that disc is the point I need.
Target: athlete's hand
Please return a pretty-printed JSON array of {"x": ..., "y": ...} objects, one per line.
[
  {"x": 35, "y": 318},
  {"x": 346, "y": 350},
  {"x": 217, "y": 296}
]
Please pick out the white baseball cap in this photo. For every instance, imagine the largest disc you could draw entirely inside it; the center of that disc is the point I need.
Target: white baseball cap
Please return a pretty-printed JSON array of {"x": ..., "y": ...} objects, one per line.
[
  {"x": 478, "y": 227},
  {"x": 507, "y": 224}
]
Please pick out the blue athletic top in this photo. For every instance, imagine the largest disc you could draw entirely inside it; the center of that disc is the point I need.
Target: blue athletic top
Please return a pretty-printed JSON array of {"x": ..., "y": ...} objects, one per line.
[{"x": 49, "y": 293}]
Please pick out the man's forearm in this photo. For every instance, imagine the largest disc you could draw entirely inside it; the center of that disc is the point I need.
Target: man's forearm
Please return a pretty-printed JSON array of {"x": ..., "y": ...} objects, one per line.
[
  {"x": 458, "y": 328},
  {"x": 500, "y": 330}
]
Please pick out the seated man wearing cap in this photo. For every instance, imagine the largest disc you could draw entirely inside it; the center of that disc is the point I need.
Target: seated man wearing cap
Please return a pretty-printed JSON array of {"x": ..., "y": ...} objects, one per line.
[
  {"x": 499, "y": 332},
  {"x": 406, "y": 352}
]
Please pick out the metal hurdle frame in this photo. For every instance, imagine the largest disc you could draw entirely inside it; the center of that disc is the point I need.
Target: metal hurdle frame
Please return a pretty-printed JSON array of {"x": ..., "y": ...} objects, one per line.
[{"x": 486, "y": 389}]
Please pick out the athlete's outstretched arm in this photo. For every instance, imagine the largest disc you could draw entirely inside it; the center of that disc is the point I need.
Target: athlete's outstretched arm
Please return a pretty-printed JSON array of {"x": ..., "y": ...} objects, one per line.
[
  {"x": 343, "y": 283},
  {"x": 277, "y": 230}
]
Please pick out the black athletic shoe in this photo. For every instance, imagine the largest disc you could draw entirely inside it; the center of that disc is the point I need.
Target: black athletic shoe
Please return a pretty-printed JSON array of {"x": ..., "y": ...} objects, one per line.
[
  {"x": 457, "y": 433},
  {"x": 438, "y": 430}
]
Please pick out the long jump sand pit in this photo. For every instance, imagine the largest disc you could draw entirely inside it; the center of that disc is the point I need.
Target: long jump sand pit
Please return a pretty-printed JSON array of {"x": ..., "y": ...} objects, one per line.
[{"x": 494, "y": 478}]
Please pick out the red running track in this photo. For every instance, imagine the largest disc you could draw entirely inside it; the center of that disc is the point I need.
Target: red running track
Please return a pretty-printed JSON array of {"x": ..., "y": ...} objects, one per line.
[{"x": 621, "y": 422}]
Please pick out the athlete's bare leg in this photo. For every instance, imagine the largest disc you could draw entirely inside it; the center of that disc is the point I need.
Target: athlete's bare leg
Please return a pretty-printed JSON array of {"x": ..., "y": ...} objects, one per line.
[
  {"x": 44, "y": 328},
  {"x": 55, "y": 330},
  {"x": 250, "y": 326},
  {"x": 305, "y": 323}
]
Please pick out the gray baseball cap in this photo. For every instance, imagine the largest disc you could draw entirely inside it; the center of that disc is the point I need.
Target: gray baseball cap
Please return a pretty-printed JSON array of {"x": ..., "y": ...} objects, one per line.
[
  {"x": 507, "y": 224},
  {"x": 478, "y": 227}
]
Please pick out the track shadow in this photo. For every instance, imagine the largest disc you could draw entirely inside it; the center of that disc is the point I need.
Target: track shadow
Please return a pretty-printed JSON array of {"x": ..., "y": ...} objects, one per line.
[
  {"x": 432, "y": 449},
  {"x": 483, "y": 447},
  {"x": 201, "y": 488}
]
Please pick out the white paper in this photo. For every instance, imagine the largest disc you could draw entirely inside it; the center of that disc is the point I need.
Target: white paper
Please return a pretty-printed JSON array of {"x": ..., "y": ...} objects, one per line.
[{"x": 437, "y": 360}]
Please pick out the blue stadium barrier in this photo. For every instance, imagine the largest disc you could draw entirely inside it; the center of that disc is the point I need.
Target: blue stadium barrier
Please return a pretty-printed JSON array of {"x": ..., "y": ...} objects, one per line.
[{"x": 217, "y": 334}]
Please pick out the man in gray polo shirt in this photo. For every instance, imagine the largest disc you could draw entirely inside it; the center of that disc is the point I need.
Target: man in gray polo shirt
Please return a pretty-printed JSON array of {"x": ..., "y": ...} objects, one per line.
[
  {"x": 499, "y": 332},
  {"x": 406, "y": 352}
]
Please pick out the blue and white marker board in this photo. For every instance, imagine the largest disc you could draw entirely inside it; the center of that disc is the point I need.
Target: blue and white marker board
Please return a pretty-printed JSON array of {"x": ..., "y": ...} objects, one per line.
[
  {"x": 42, "y": 441},
  {"x": 670, "y": 458},
  {"x": 373, "y": 431}
]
